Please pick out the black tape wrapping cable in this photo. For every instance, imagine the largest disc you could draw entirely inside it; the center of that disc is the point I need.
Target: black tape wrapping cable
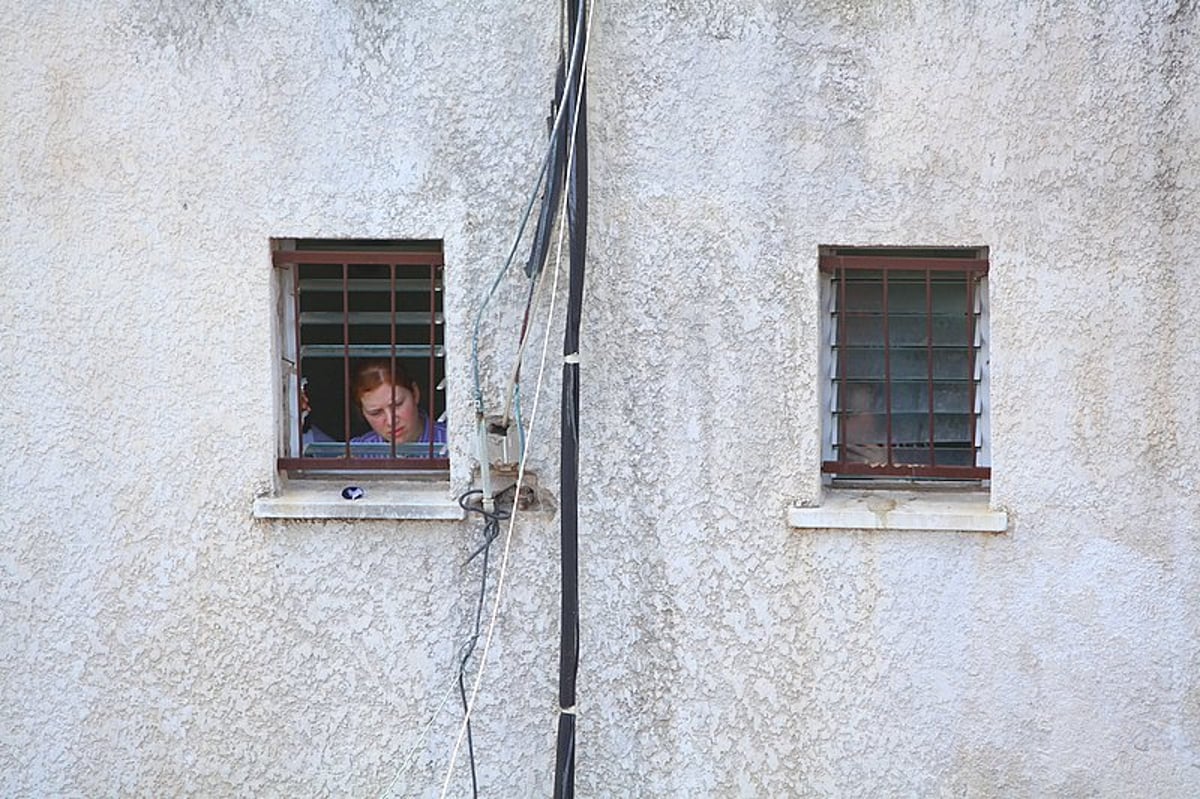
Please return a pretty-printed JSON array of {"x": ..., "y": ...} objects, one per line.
[
  {"x": 577, "y": 179},
  {"x": 554, "y": 174}
]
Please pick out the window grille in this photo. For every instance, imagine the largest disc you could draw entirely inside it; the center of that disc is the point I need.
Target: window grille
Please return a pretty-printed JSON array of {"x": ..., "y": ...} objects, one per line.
[
  {"x": 907, "y": 363},
  {"x": 347, "y": 304}
]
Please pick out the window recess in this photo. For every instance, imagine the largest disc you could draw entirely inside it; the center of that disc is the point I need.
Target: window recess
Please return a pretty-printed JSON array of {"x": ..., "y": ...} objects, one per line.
[
  {"x": 907, "y": 358},
  {"x": 356, "y": 315}
]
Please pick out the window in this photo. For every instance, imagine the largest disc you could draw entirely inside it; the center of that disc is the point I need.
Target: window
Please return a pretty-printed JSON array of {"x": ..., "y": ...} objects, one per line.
[
  {"x": 363, "y": 355},
  {"x": 907, "y": 363}
]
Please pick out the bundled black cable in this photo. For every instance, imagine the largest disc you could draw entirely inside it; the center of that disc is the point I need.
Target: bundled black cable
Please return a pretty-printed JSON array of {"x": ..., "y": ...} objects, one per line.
[
  {"x": 576, "y": 179},
  {"x": 554, "y": 181}
]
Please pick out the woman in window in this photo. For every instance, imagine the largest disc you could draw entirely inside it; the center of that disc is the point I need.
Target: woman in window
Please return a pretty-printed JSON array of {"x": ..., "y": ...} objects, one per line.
[{"x": 390, "y": 402}]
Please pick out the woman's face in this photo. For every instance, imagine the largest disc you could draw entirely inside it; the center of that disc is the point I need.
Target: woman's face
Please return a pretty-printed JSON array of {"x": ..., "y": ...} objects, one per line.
[{"x": 392, "y": 412}]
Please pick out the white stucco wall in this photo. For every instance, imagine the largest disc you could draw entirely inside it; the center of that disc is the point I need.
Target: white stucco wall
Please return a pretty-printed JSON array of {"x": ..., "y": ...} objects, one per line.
[{"x": 156, "y": 639}]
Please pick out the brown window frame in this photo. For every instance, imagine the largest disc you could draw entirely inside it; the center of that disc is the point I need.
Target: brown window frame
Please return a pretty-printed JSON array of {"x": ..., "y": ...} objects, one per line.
[
  {"x": 842, "y": 263},
  {"x": 402, "y": 267}
]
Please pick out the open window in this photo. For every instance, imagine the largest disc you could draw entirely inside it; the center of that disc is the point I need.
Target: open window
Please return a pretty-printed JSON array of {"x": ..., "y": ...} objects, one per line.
[
  {"x": 907, "y": 359},
  {"x": 363, "y": 355}
]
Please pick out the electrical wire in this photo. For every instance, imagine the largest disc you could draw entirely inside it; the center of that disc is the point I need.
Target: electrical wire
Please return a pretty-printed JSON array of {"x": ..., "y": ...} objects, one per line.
[
  {"x": 532, "y": 302},
  {"x": 508, "y": 536},
  {"x": 409, "y": 759},
  {"x": 491, "y": 530},
  {"x": 505, "y": 551},
  {"x": 488, "y": 297},
  {"x": 542, "y": 172},
  {"x": 576, "y": 224}
]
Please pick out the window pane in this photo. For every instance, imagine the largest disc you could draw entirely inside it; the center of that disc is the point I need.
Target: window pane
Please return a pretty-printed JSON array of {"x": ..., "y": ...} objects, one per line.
[
  {"x": 909, "y": 363},
  {"x": 917, "y": 455},
  {"x": 951, "y": 364},
  {"x": 907, "y": 330},
  {"x": 906, "y": 292},
  {"x": 951, "y": 397},
  {"x": 950, "y": 328},
  {"x": 863, "y": 291},
  {"x": 952, "y": 428},
  {"x": 908, "y": 428},
  {"x": 859, "y": 363},
  {"x": 863, "y": 330},
  {"x": 955, "y": 455},
  {"x": 913, "y": 427},
  {"x": 910, "y": 397},
  {"x": 949, "y": 293},
  {"x": 864, "y": 422}
]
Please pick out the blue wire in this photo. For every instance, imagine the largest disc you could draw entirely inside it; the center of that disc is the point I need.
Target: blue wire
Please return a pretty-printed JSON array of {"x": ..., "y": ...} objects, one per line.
[{"x": 495, "y": 283}]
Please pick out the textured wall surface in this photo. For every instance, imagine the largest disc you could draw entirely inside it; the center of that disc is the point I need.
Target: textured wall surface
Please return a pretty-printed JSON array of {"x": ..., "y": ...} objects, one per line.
[{"x": 155, "y": 639}]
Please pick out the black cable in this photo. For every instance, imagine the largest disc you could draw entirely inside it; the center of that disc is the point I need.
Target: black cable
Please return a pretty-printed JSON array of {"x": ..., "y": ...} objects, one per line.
[
  {"x": 576, "y": 180},
  {"x": 554, "y": 180},
  {"x": 491, "y": 531}
]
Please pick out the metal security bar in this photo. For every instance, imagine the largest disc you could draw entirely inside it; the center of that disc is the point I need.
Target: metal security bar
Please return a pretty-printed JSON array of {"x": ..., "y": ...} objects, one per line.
[
  {"x": 349, "y": 306},
  {"x": 906, "y": 364}
]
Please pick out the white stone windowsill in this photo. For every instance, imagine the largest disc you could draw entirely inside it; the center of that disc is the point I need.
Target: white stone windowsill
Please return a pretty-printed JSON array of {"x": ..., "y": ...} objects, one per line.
[
  {"x": 322, "y": 499},
  {"x": 957, "y": 511}
]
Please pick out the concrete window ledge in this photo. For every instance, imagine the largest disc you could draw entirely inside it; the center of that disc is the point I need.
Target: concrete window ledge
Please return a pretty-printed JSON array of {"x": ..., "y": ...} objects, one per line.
[
  {"x": 958, "y": 511},
  {"x": 322, "y": 499}
]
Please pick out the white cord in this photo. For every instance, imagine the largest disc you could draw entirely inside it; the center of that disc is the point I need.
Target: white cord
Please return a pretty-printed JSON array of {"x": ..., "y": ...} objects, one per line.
[
  {"x": 409, "y": 759},
  {"x": 487, "y": 641}
]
